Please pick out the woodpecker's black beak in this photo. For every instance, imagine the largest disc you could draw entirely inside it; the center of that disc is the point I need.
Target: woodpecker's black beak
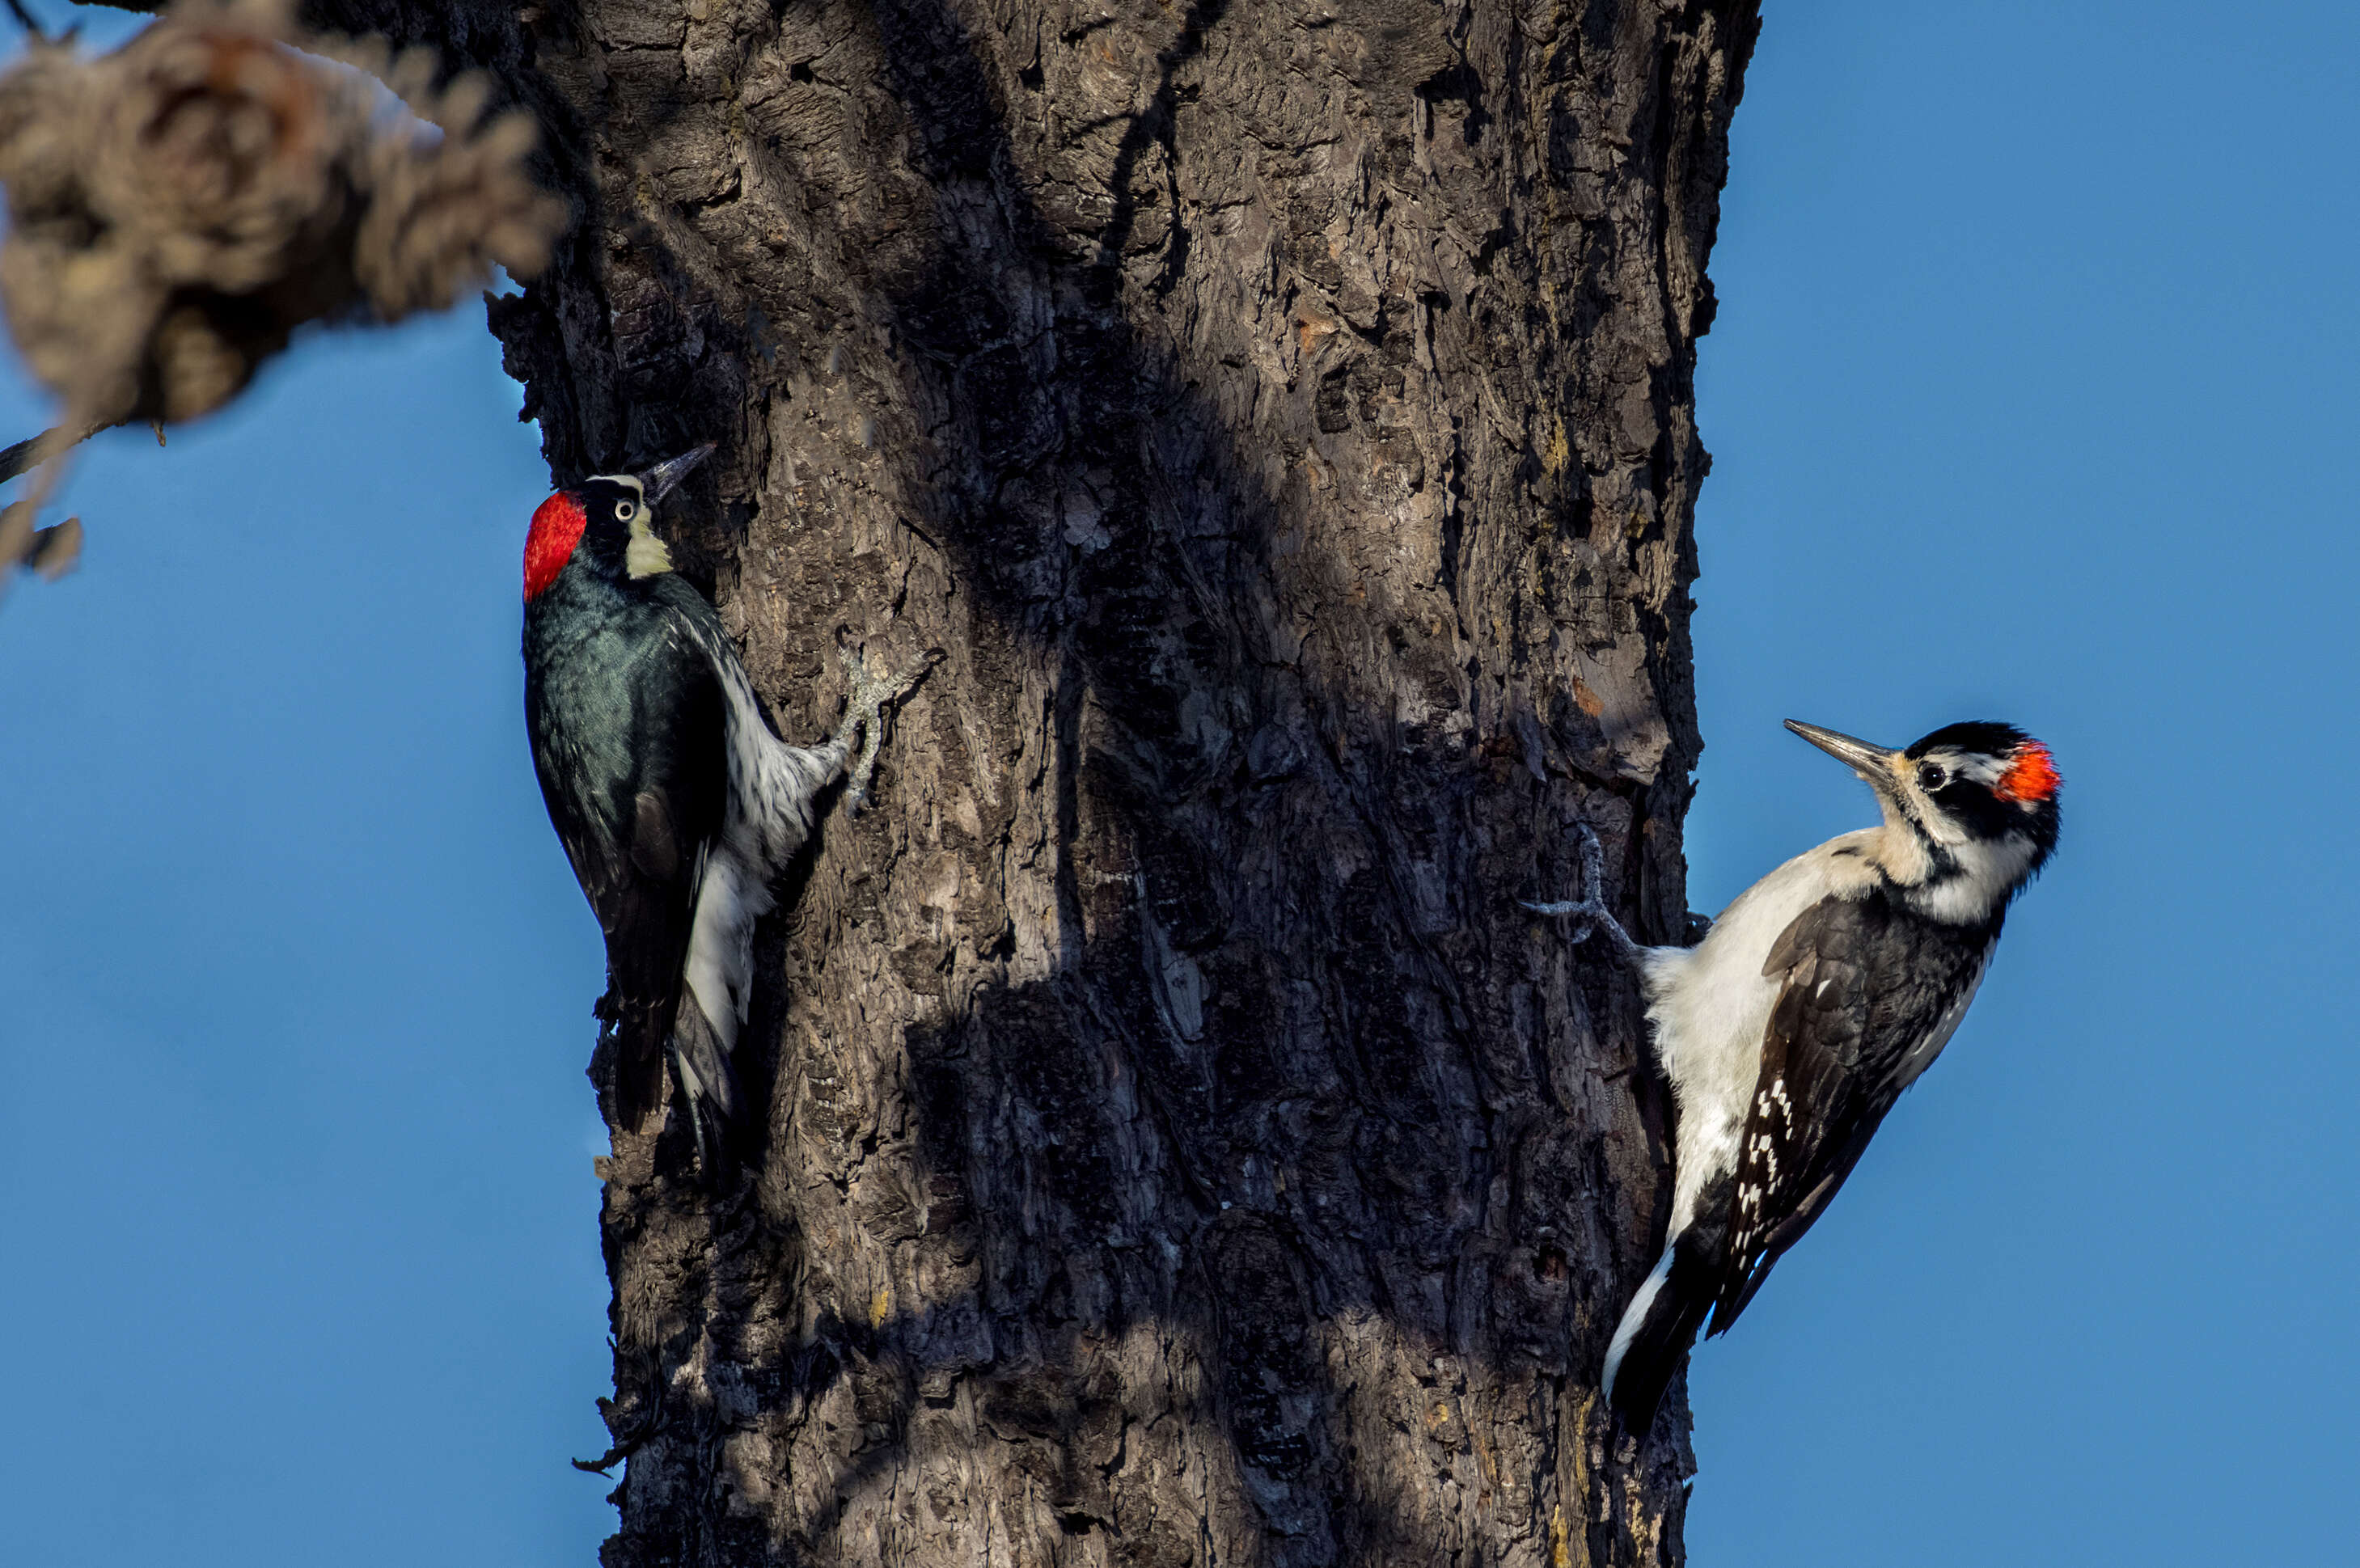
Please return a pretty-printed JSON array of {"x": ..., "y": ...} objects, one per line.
[
  {"x": 1874, "y": 763},
  {"x": 660, "y": 480}
]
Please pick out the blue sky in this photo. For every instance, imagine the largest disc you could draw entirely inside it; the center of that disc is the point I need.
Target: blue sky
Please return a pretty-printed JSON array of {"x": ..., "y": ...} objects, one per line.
[{"x": 2029, "y": 397}]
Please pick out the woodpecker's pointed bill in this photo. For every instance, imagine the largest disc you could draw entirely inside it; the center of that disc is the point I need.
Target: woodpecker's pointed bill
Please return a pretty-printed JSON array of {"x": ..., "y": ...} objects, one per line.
[
  {"x": 1873, "y": 763},
  {"x": 662, "y": 479}
]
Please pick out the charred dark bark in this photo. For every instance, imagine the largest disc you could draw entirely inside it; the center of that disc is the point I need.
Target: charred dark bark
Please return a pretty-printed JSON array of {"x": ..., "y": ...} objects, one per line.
[{"x": 1181, "y": 1150}]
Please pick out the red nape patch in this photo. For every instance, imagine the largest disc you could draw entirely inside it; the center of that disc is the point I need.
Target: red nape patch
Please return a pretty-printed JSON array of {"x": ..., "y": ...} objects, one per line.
[
  {"x": 556, "y": 528},
  {"x": 2031, "y": 774}
]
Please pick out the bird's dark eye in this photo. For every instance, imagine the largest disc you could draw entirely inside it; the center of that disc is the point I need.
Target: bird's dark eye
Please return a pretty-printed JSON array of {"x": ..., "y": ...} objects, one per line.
[
  {"x": 1931, "y": 777},
  {"x": 622, "y": 510}
]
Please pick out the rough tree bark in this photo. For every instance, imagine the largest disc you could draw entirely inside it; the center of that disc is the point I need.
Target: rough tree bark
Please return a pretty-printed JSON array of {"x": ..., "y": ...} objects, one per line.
[{"x": 1181, "y": 1150}]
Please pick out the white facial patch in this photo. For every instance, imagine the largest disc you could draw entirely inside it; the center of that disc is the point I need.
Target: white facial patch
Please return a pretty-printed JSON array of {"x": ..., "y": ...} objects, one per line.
[
  {"x": 1987, "y": 772},
  {"x": 645, "y": 555}
]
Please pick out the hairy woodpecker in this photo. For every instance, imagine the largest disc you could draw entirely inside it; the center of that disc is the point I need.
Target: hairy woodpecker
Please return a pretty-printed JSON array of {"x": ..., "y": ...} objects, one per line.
[
  {"x": 1810, "y": 1005},
  {"x": 675, "y": 803}
]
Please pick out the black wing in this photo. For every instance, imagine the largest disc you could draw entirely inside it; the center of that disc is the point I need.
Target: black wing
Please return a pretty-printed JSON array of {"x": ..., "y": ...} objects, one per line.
[
  {"x": 628, "y": 739},
  {"x": 1867, "y": 983}
]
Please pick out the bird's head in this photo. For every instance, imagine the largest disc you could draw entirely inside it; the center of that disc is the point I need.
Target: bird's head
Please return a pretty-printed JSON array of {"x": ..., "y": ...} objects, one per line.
[
  {"x": 603, "y": 523},
  {"x": 1971, "y": 810}
]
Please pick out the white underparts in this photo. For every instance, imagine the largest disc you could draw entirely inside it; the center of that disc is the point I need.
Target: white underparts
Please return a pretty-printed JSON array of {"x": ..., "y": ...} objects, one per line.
[{"x": 1709, "y": 1009}]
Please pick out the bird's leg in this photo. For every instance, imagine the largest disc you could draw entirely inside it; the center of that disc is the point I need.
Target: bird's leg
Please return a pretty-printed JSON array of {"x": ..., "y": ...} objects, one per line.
[
  {"x": 1595, "y": 919},
  {"x": 864, "y": 710}
]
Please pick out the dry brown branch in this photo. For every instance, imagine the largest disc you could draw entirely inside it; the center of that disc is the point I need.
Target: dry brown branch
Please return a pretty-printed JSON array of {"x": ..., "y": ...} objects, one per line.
[
  {"x": 179, "y": 207},
  {"x": 19, "y": 456}
]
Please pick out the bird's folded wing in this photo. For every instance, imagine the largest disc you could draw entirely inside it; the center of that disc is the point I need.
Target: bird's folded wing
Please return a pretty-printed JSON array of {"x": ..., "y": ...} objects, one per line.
[{"x": 1837, "y": 1036}]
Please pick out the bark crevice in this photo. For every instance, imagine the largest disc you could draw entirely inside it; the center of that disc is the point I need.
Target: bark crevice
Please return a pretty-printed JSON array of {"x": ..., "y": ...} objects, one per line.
[{"x": 1182, "y": 1150}]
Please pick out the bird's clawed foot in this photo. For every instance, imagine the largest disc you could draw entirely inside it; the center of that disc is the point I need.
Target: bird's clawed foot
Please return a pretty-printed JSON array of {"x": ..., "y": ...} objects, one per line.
[
  {"x": 1589, "y": 911},
  {"x": 865, "y": 708}
]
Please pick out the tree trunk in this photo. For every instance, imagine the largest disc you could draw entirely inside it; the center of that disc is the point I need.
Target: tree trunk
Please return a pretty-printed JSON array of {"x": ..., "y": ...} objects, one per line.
[{"x": 1180, "y": 1148}]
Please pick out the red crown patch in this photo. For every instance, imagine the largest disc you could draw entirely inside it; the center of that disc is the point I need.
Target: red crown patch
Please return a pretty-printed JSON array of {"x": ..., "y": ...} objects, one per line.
[
  {"x": 2031, "y": 773},
  {"x": 557, "y": 528}
]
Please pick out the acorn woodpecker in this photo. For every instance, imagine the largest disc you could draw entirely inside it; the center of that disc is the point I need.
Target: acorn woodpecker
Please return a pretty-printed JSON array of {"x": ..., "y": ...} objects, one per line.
[
  {"x": 1810, "y": 1005},
  {"x": 675, "y": 803}
]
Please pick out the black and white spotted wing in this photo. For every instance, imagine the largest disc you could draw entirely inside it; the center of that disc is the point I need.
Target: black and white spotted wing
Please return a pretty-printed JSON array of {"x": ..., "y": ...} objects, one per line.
[{"x": 1847, "y": 1034}]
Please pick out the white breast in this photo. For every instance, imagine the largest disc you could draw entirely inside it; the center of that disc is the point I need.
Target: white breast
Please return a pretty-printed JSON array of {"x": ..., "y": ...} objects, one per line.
[{"x": 1709, "y": 1007}]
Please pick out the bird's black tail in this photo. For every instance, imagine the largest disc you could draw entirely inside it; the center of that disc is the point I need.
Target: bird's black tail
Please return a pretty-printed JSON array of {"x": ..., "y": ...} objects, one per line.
[
  {"x": 629, "y": 1057},
  {"x": 1657, "y": 1330},
  {"x": 708, "y": 1091}
]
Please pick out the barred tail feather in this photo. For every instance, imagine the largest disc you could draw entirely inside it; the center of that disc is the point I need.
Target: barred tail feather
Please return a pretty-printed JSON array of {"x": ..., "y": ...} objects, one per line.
[
  {"x": 1655, "y": 1332},
  {"x": 708, "y": 1090}
]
